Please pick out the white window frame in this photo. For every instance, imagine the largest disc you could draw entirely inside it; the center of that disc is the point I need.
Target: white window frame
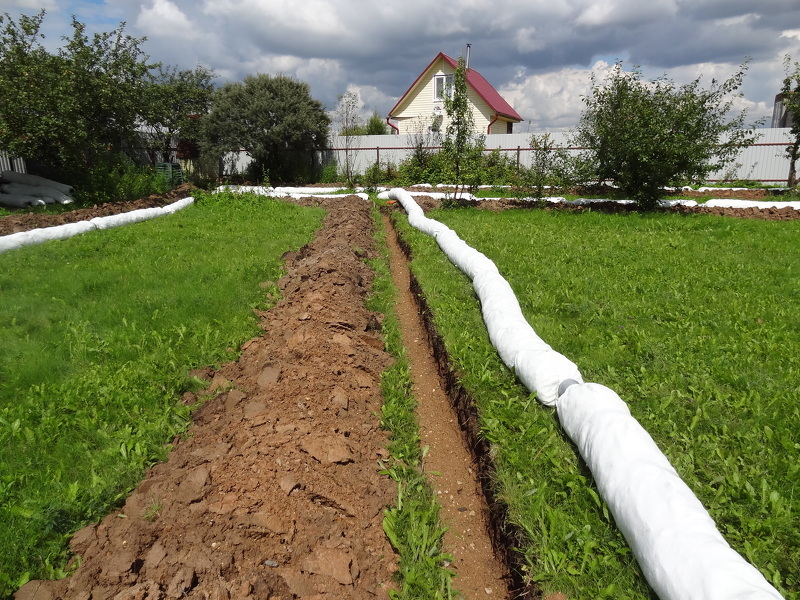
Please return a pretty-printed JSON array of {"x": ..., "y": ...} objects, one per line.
[{"x": 442, "y": 84}]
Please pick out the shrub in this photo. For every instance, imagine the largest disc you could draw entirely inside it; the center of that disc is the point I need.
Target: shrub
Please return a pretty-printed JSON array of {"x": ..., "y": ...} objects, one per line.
[{"x": 649, "y": 135}]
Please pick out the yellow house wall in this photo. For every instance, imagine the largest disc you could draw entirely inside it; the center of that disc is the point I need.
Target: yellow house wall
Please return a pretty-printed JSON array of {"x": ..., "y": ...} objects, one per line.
[
  {"x": 418, "y": 111},
  {"x": 500, "y": 126}
]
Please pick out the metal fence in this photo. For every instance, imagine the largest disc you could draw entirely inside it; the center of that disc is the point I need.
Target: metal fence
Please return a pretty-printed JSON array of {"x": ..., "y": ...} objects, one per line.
[
  {"x": 764, "y": 161},
  {"x": 11, "y": 164}
]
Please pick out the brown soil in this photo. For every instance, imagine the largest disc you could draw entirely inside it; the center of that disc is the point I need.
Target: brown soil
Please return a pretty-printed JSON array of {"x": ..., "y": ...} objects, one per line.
[{"x": 449, "y": 462}]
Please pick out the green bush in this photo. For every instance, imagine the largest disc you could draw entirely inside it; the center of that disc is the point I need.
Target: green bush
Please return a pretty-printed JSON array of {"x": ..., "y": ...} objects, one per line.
[
  {"x": 117, "y": 178},
  {"x": 646, "y": 136}
]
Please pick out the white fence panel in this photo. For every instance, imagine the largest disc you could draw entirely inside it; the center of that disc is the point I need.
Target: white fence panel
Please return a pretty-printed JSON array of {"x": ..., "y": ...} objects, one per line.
[
  {"x": 764, "y": 161},
  {"x": 11, "y": 164}
]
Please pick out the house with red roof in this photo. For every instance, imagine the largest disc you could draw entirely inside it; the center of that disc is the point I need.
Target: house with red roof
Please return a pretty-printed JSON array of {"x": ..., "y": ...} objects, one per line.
[{"x": 421, "y": 108}]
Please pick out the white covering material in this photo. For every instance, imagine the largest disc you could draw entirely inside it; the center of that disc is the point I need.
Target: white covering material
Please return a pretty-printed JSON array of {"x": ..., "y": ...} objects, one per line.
[
  {"x": 681, "y": 552},
  {"x": 62, "y": 232},
  {"x": 729, "y": 203},
  {"x": 29, "y": 179},
  {"x": 288, "y": 192}
]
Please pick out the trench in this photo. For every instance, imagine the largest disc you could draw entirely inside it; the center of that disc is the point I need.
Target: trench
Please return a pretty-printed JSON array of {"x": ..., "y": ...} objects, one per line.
[{"x": 457, "y": 462}]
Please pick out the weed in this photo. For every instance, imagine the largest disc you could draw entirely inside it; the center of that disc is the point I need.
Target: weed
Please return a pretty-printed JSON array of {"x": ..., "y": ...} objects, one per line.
[{"x": 152, "y": 511}]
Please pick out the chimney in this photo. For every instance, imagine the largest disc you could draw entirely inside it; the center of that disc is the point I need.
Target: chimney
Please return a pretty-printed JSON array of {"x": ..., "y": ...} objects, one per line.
[{"x": 468, "y": 49}]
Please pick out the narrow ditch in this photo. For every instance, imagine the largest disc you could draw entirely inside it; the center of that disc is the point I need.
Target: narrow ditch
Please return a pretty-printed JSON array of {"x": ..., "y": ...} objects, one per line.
[{"x": 457, "y": 461}]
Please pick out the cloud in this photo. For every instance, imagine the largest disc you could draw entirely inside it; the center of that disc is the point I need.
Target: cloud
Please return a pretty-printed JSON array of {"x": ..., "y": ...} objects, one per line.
[
  {"x": 540, "y": 52},
  {"x": 165, "y": 19},
  {"x": 604, "y": 13},
  {"x": 552, "y": 101}
]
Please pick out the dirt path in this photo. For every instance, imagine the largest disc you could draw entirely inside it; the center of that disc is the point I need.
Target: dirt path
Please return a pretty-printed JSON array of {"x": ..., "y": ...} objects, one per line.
[
  {"x": 448, "y": 463},
  {"x": 274, "y": 493}
]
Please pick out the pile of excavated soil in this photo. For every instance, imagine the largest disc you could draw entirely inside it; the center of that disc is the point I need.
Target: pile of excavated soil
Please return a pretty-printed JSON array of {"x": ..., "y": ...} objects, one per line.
[
  {"x": 25, "y": 221},
  {"x": 275, "y": 491},
  {"x": 786, "y": 213}
]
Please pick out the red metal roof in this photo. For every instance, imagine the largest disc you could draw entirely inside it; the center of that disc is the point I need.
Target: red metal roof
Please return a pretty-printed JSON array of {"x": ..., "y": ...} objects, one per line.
[{"x": 478, "y": 83}]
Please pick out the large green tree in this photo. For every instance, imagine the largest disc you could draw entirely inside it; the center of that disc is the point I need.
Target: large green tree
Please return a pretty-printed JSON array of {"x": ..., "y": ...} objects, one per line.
[
  {"x": 175, "y": 101},
  {"x": 69, "y": 109},
  {"x": 274, "y": 118},
  {"x": 791, "y": 100},
  {"x": 646, "y": 135}
]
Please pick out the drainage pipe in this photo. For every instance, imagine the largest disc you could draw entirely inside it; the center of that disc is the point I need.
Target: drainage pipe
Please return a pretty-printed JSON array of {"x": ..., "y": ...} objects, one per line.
[
  {"x": 62, "y": 232},
  {"x": 681, "y": 552}
]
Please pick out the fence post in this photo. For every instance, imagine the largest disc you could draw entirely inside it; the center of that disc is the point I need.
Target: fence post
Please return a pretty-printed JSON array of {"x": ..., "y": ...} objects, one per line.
[
  {"x": 378, "y": 156},
  {"x": 517, "y": 158}
]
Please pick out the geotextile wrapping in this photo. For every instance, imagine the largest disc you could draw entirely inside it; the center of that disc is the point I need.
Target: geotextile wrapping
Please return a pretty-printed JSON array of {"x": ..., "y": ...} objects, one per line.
[
  {"x": 20, "y": 200},
  {"x": 38, "y": 191},
  {"x": 681, "y": 552},
  {"x": 62, "y": 232}
]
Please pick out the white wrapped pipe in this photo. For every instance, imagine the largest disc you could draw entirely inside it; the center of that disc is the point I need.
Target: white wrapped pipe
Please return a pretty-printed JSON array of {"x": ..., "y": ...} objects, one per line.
[
  {"x": 14, "y": 241},
  {"x": 675, "y": 541},
  {"x": 28, "y": 179},
  {"x": 128, "y": 218},
  {"x": 62, "y": 232}
]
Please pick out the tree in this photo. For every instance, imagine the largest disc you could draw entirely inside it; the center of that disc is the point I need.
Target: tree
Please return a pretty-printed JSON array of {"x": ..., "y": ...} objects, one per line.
[
  {"x": 174, "y": 101},
  {"x": 376, "y": 125},
  {"x": 648, "y": 135},
  {"x": 551, "y": 166},
  {"x": 460, "y": 146},
  {"x": 349, "y": 123},
  {"x": 67, "y": 110},
  {"x": 274, "y": 119},
  {"x": 791, "y": 101}
]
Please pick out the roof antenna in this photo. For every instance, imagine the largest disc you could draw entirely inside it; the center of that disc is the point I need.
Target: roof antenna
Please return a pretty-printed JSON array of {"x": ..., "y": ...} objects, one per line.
[{"x": 468, "y": 48}]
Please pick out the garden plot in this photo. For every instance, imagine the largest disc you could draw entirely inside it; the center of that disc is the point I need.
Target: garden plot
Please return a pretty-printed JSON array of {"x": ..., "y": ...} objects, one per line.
[{"x": 587, "y": 556}]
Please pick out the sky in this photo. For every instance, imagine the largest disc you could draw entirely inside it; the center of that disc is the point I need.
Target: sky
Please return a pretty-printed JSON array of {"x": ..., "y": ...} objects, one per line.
[{"x": 539, "y": 54}]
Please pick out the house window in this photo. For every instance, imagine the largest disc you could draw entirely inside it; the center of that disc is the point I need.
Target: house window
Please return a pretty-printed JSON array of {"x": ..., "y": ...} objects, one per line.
[{"x": 442, "y": 84}]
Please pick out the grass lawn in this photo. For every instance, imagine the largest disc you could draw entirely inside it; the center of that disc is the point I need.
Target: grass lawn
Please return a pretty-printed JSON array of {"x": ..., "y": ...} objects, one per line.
[
  {"x": 98, "y": 335},
  {"x": 693, "y": 320}
]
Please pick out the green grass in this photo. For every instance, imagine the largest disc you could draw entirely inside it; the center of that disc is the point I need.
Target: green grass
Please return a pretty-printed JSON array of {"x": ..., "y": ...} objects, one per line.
[
  {"x": 99, "y": 333},
  {"x": 412, "y": 525},
  {"x": 693, "y": 321}
]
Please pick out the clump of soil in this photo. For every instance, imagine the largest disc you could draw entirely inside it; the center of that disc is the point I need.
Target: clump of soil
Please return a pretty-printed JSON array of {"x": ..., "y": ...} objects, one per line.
[{"x": 274, "y": 493}]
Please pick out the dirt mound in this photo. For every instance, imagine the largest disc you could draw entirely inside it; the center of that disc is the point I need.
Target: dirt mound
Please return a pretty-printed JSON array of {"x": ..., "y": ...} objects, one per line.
[
  {"x": 27, "y": 221},
  {"x": 274, "y": 492}
]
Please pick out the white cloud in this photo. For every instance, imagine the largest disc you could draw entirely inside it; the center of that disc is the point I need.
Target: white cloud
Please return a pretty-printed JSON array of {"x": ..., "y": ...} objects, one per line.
[
  {"x": 528, "y": 41},
  {"x": 165, "y": 19},
  {"x": 603, "y": 13},
  {"x": 791, "y": 34},
  {"x": 37, "y": 5},
  {"x": 552, "y": 101}
]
